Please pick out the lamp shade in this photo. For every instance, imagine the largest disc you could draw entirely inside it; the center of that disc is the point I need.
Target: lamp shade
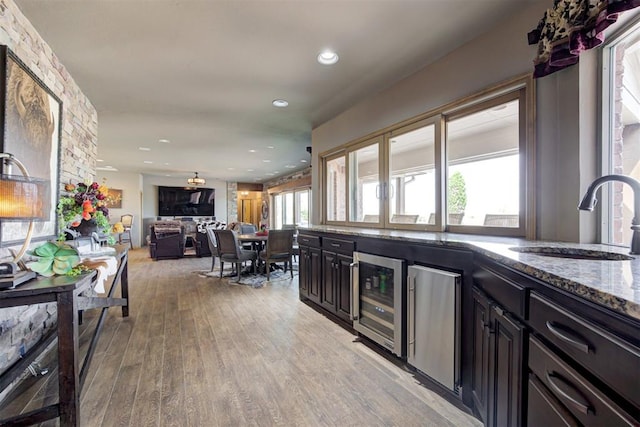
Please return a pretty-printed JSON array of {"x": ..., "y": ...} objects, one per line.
[{"x": 23, "y": 198}]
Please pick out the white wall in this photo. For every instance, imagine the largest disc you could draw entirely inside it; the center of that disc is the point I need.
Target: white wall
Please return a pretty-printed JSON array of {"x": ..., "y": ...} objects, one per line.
[
  {"x": 131, "y": 186},
  {"x": 565, "y": 148}
]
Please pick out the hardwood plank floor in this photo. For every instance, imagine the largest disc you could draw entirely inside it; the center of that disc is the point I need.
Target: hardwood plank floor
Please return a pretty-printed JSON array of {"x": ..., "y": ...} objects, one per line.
[{"x": 198, "y": 351}]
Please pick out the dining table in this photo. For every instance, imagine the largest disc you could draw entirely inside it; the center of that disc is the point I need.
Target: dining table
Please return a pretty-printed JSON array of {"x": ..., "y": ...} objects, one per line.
[{"x": 258, "y": 243}]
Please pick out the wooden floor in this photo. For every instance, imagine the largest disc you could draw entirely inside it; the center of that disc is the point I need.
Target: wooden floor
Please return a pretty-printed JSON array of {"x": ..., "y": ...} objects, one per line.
[{"x": 197, "y": 351}]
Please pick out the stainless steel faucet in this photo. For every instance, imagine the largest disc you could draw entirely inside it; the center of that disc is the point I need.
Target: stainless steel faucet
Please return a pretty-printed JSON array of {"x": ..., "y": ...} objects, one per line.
[{"x": 589, "y": 202}]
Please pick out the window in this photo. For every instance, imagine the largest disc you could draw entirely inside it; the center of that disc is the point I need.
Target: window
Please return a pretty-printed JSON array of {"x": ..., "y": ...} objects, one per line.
[
  {"x": 412, "y": 172},
  {"x": 364, "y": 179},
  {"x": 483, "y": 164},
  {"x": 621, "y": 132},
  {"x": 291, "y": 207},
  {"x": 336, "y": 182},
  {"x": 462, "y": 168}
]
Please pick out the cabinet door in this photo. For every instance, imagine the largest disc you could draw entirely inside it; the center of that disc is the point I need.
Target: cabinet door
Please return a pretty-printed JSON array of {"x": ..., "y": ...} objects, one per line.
[
  {"x": 304, "y": 273},
  {"x": 314, "y": 274},
  {"x": 505, "y": 370},
  {"x": 480, "y": 357},
  {"x": 343, "y": 286},
  {"x": 329, "y": 279}
]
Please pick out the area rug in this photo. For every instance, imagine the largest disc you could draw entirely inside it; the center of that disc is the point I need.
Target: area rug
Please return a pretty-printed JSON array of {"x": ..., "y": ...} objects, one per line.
[{"x": 253, "y": 280}]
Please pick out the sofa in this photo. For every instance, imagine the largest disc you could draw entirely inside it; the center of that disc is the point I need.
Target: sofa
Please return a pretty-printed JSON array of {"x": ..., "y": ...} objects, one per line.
[
  {"x": 166, "y": 240},
  {"x": 202, "y": 241}
]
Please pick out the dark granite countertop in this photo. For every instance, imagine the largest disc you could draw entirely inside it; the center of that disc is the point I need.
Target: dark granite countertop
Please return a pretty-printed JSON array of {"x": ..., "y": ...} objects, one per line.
[{"x": 614, "y": 284}]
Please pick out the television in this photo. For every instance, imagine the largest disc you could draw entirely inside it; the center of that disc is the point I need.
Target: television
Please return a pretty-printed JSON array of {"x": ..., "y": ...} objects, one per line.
[{"x": 186, "y": 201}]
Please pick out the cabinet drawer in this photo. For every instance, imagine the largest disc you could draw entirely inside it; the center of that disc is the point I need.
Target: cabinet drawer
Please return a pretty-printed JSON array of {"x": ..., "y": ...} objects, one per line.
[
  {"x": 544, "y": 409},
  {"x": 588, "y": 404},
  {"x": 612, "y": 360},
  {"x": 307, "y": 240},
  {"x": 337, "y": 245},
  {"x": 510, "y": 295}
]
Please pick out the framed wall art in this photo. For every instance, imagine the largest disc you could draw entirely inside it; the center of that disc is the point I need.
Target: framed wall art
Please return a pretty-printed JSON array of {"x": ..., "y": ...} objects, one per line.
[
  {"x": 114, "y": 198},
  {"x": 30, "y": 129}
]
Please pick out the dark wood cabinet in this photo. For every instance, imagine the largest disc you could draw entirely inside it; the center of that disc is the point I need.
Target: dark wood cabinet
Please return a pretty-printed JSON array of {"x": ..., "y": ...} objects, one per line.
[
  {"x": 497, "y": 377},
  {"x": 526, "y": 344},
  {"x": 544, "y": 409},
  {"x": 329, "y": 281},
  {"x": 574, "y": 394},
  {"x": 505, "y": 369},
  {"x": 336, "y": 283},
  {"x": 480, "y": 366},
  {"x": 309, "y": 267},
  {"x": 303, "y": 272},
  {"x": 343, "y": 290},
  {"x": 310, "y": 273}
]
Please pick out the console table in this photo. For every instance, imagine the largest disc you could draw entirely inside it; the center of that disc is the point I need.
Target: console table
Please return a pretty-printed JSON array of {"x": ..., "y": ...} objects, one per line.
[{"x": 66, "y": 292}]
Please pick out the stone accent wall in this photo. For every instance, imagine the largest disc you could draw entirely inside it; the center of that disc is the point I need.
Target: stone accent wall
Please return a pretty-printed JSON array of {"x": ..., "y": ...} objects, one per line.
[
  {"x": 618, "y": 147},
  {"x": 232, "y": 202},
  {"x": 21, "y": 327}
]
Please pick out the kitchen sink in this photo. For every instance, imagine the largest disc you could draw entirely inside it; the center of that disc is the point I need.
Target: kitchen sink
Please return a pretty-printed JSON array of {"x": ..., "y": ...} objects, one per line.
[{"x": 572, "y": 253}]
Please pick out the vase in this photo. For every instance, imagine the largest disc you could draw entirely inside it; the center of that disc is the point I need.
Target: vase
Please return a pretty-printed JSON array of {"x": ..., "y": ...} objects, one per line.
[{"x": 86, "y": 227}]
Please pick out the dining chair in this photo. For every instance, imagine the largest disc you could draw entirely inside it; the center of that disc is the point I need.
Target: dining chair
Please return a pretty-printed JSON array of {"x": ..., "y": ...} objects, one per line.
[
  {"x": 279, "y": 249},
  {"x": 296, "y": 248},
  {"x": 230, "y": 251},
  {"x": 248, "y": 229},
  {"x": 213, "y": 246},
  {"x": 127, "y": 223}
]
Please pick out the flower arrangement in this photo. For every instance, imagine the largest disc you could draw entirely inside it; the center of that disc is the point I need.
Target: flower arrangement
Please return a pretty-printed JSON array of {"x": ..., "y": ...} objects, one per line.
[{"x": 84, "y": 201}]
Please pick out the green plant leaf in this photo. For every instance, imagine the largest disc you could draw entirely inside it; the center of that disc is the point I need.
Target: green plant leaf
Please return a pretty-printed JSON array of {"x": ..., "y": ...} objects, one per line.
[
  {"x": 62, "y": 265},
  {"x": 66, "y": 251},
  {"x": 48, "y": 249},
  {"x": 42, "y": 266}
]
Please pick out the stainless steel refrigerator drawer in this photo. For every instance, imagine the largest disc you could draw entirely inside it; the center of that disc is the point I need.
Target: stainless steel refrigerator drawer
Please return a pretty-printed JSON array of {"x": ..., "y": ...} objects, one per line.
[{"x": 434, "y": 326}]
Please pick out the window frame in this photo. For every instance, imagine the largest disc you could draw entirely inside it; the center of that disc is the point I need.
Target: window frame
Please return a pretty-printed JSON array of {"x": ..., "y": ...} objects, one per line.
[
  {"x": 605, "y": 209},
  {"x": 520, "y": 95},
  {"x": 522, "y": 88}
]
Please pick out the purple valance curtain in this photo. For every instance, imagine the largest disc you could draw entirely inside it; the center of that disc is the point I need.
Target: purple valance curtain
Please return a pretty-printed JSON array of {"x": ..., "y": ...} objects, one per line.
[{"x": 570, "y": 27}]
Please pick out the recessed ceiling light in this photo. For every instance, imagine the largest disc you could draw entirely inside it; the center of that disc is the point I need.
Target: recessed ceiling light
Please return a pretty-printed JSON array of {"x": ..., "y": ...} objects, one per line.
[
  {"x": 164, "y": 141},
  {"x": 266, "y": 161},
  {"x": 168, "y": 174},
  {"x": 280, "y": 103},
  {"x": 231, "y": 169},
  {"x": 144, "y": 148},
  {"x": 289, "y": 166},
  {"x": 107, "y": 168},
  {"x": 148, "y": 162},
  {"x": 167, "y": 164},
  {"x": 270, "y": 147},
  {"x": 249, "y": 170},
  {"x": 99, "y": 160},
  {"x": 303, "y": 161},
  {"x": 252, "y": 151},
  {"x": 269, "y": 173},
  {"x": 328, "y": 57}
]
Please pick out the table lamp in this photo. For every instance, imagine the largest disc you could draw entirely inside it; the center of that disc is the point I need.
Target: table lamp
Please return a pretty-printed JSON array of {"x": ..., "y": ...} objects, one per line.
[{"x": 22, "y": 198}]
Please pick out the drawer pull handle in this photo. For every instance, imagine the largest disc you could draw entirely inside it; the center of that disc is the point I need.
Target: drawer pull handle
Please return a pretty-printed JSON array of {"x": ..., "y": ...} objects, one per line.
[
  {"x": 335, "y": 245},
  {"x": 585, "y": 408},
  {"x": 305, "y": 240},
  {"x": 568, "y": 337}
]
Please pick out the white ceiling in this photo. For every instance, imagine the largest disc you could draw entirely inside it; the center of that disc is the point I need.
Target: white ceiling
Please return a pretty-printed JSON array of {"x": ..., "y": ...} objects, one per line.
[{"x": 202, "y": 74}]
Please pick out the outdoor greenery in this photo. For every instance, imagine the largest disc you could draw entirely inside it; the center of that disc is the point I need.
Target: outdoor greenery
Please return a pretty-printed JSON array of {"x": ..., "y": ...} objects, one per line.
[{"x": 457, "y": 195}]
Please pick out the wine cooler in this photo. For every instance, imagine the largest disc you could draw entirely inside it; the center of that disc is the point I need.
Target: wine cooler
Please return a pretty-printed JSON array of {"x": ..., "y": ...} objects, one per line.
[{"x": 377, "y": 299}]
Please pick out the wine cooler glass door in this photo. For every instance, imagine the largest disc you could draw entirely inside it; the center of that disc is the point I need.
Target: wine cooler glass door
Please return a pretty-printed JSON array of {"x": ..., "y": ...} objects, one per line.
[{"x": 378, "y": 304}]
